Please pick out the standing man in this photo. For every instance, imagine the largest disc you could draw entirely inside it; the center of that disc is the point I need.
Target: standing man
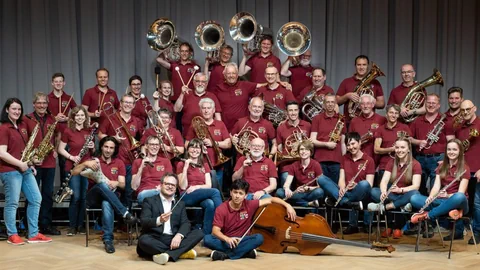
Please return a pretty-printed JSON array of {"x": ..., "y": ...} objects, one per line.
[
  {"x": 260, "y": 61},
  {"x": 319, "y": 76},
  {"x": 95, "y": 97},
  {"x": 300, "y": 73},
  {"x": 216, "y": 70},
  {"x": 275, "y": 93},
  {"x": 455, "y": 99}
]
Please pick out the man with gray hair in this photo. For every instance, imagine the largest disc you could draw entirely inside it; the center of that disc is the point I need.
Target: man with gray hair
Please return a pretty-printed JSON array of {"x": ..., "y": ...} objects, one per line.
[{"x": 188, "y": 101}]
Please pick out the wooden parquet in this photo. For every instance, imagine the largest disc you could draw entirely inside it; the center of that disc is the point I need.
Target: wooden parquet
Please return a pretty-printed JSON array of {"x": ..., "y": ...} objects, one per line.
[{"x": 70, "y": 253}]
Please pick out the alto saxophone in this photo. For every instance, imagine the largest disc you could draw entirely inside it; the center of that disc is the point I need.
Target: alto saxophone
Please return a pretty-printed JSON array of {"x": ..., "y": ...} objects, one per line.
[
  {"x": 45, "y": 146},
  {"x": 29, "y": 152},
  {"x": 336, "y": 133}
]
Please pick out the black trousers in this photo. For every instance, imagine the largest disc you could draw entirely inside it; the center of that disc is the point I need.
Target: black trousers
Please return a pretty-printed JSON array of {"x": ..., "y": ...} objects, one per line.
[{"x": 152, "y": 244}]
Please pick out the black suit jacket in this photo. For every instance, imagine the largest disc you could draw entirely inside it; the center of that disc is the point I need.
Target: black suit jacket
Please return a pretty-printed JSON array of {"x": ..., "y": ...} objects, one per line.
[{"x": 152, "y": 208}]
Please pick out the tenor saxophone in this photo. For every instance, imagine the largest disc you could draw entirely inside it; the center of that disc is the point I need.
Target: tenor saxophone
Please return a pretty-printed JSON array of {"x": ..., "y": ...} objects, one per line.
[
  {"x": 45, "y": 146},
  {"x": 29, "y": 152}
]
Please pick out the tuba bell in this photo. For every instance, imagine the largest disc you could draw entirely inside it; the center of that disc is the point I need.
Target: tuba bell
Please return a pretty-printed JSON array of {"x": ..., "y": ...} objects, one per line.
[
  {"x": 245, "y": 29},
  {"x": 416, "y": 97},
  {"x": 210, "y": 37},
  {"x": 293, "y": 39},
  {"x": 161, "y": 37}
]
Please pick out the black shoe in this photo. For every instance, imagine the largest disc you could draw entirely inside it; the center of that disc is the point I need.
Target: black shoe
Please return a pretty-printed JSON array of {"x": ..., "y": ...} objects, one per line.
[
  {"x": 411, "y": 231},
  {"x": 455, "y": 237},
  {"x": 477, "y": 239},
  {"x": 50, "y": 230},
  {"x": 356, "y": 205},
  {"x": 365, "y": 228},
  {"x": 218, "y": 256},
  {"x": 350, "y": 230},
  {"x": 329, "y": 201},
  {"x": 109, "y": 248},
  {"x": 428, "y": 233},
  {"x": 81, "y": 230},
  {"x": 71, "y": 231},
  {"x": 130, "y": 219},
  {"x": 252, "y": 254}
]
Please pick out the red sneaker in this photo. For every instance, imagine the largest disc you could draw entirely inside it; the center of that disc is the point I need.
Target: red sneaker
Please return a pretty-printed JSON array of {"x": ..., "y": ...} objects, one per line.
[
  {"x": 397, "y": 234},
  {"x": 417, "y": 217},
  {"x": 39, "y": 238},
  {"x": 456, "y": 214},
  {"x": 15, "y": 240},
  {"x": 387, "y": 232}
]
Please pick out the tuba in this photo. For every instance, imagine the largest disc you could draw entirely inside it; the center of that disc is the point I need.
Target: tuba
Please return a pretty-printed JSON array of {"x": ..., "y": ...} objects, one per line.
[
  {"x": 312, "y": 104},
  {"x": 362, "y": 88},
  {"x": 245, "y": 136},
  {"x": 202, "y": 132},
  {"x": 245, "y": 29},
  {"x": 416, "y": 97},
  {"x": 293, "y": 39},
  {"x": 336, "y": 134},
  {"x": 210, "y": 37},
  {"x": 161, "y": 37}
]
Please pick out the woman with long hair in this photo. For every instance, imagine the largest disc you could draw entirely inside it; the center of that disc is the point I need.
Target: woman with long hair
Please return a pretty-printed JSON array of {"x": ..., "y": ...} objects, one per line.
[
  {"x": 195, "y": 180},
  {"x": 75, "y": 136},
  {"x": 453, "y": 200},
  {"x": 17, "y": 175}
]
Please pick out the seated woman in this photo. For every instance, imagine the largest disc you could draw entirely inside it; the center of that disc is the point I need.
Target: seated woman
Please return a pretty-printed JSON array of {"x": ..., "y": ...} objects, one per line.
[
  {"x": 452, "y": 200},
  {"x": 194, "y": 179},
  {"x": 359, "y": 169},
  {"x": 305, "y": 172},
  {"x": 407, "y": 185}
]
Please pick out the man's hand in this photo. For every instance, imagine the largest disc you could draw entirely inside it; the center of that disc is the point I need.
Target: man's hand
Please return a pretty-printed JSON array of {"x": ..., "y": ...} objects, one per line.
[
  {"x": 93, "y": 164},
  {"x": 165, "y": 217},
  {"x": 235, "y": 139},
  {"x": 232, "y": 241},
  {"x": 98, "y": 113},
  {"x": 353, "y": 97},
  {"x": 61, "y": 117},
  {"x": 176, "y": 242},
  {"x": 292, "y": 215},
  {"x": 185, "y": 90},
  {"x": 288, "y": 193}
]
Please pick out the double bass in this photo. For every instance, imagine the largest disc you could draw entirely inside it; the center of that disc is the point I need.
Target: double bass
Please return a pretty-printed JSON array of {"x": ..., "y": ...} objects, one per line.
[{"x": 310, "y": 234}]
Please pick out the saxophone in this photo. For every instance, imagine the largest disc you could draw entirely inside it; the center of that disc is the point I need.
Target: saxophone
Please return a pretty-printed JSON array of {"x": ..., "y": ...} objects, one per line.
[
  {"x": 336, "y": 133},
  {"x": 65, "y": 190},
  {"x": 45, "y": 146},
  {"x": 29, "y": 152}
]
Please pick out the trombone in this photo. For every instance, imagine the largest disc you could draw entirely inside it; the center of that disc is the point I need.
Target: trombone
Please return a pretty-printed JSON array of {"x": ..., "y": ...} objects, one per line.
[{"x": 161, "y": 132}]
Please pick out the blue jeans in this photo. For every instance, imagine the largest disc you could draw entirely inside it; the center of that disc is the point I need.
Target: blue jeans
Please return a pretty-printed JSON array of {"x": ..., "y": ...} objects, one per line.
[
  {"x": 429, "y": 165},
  {"x": 355, "y": 195},
  {"x": 440, "y": 207},
  {"x": 145, "y": 194},
  {"x": 101, "y": 192},
  {"x": 15, "y": 182},
  {"x": 108, "y": 220},
  {"x": 127, "y": 195},
  {"x": 476, "y": 209},
  {"x": 218, "y": 176},
  {"x": 76, "y": 210},
  {"x": 209, "y": 199},
  {"x": 398, "y": 200},
  {"x": 45, "y": 179},
  {"x": 248, "y": 243},
  {"x": 331, "y": 170},
  {"x": 250, "y": 196},
  {"x": 302, "y": 199}
]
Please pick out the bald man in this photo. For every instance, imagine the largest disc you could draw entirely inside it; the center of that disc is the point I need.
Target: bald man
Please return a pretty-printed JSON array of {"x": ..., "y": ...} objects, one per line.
[
  {"x": 259, "y": 171},
  {"x": 274, "y": 92}
]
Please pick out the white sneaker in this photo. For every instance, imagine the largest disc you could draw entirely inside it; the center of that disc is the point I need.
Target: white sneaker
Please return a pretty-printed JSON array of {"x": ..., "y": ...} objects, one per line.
[
  {"x": 161, "y": 258},
  {"x": 407, "y": 208},
  {"x": 374, "y": 207}
]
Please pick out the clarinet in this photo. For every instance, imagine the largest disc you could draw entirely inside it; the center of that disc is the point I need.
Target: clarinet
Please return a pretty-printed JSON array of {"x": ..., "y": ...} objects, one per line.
[{"x": 65, "y": 190}]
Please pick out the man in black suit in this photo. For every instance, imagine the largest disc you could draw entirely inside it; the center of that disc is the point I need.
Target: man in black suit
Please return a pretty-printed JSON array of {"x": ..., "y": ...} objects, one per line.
[{"x": 166, "y": 234}]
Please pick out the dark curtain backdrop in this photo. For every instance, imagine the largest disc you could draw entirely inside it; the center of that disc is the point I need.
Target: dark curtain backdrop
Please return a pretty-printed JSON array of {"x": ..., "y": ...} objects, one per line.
[{"x": 41, "y": 37}]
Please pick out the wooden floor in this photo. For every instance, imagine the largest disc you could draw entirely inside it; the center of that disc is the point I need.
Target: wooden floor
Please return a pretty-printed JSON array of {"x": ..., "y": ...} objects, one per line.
[{"x": 70, "y": 253}]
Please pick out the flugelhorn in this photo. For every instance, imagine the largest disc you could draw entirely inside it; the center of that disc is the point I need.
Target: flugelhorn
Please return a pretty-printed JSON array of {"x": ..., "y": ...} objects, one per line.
[
  {"x": 245, "y": 29},
  {"x": 202, "y": 132},
  {"x": 210, "y": 37},
  {"x": 293, "y": 38},
  {"x": 161, "y": 37},
  {"x": 362, "y": 88}
]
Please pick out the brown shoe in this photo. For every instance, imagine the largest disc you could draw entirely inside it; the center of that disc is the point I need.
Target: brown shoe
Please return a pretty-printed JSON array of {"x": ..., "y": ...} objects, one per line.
[
  {"x": 417, "y": 217},
  {"x": 456, "y": 214}
]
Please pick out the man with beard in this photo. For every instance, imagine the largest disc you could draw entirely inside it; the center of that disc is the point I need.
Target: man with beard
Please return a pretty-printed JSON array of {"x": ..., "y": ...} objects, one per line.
[{"x": 300, "y": 74}]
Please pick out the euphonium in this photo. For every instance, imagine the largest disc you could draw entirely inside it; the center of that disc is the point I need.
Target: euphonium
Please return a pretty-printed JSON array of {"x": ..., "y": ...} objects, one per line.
[
  {"x": 210, "y": 37},
  {"x": 29, "y": 152},
  {"x": 364, "y": 87},
  {"x": 274, "y": 114},
  {"x": 336, "y": 134},
  {"x": 293, "y": 39},
  {"x": 161, "y": 37},
  {"x": 432, "y": 135},
  {"x": 245, "y": 29},
  {"x": 245, "y": 137},
  {"x": 202, "y": 132},
  {"x": 46, "y": 146},
  {"x": 416, "y": 97},
  {"x": 472, "y": 134},
  {"x": 312, "y": 104}
]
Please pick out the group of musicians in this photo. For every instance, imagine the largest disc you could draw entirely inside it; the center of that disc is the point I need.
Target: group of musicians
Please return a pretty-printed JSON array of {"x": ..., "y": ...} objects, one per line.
[{"x": 113, "y": 150}]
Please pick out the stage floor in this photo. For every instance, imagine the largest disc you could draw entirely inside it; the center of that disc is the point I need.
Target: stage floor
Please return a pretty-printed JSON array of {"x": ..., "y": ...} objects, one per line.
[{"x": 70, "y": 253}]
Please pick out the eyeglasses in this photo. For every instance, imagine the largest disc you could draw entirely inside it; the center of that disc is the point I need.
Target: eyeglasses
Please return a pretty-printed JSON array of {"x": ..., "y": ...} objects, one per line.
[
  {"x": 197, "y": 81},
  {"x": 407, "y": 72},
  {"x": 128, "y": 102},
  {"x": 256, "y": 145},
  {"x": 467, "y": 110},
  {"x": 154, "y": 144},
  {"x": 41, "y": 102},
  {"x": 271, "y": 74}
]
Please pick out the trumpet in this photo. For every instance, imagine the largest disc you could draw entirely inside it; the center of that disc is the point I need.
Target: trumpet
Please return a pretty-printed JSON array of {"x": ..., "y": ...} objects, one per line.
[
  {"x": 336, "y": 134},
  {"x": 362, "y": 88},
  {"x": 210, "y": 37},
  {"x": 432, "y": 135},
  {"x": 473, "y": 133},
  {"x": 366, "y": 137},
  {"x": 202, "y": 132}
]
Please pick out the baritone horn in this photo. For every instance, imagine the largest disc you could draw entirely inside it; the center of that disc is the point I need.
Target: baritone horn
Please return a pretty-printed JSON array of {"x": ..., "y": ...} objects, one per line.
[
  {"x": 210, "y": 37},
  {"x": 245, "y": 29},
  {"x": 293, "y": 39},
  {"x": 161, "y": 37}
]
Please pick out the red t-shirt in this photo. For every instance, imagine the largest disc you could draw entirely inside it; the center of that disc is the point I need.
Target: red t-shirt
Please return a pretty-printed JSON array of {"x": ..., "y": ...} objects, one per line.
[
  {"x": 234, "y": 223},
  {"x": 285, "y": 129},
  {"x": 258, "y": 64},
  {"x": 111, "y": 170},
  {"x": 151, "y": 175},
  {"x": 323, "y": 125},
  {"x": 258, "y": 174},
  {"x": 234, "y": 100},
  {"x": 216, "y": 76},
  {"x": 75, "y": 139},
  {"x": 53, "y": 106},
  {"x": 263, "y": 128},
  {"x": 16, "y": 140},
  {"x": 349, "y": 84},
  {"x": 174, "y": 134},
  {"x": 389, "y": 136},
  {"x": 192, "y": 109},
  {"x": 186, "y": 71},
  {"x": 416, "y": 169},
  {"x": 278, "y": 96},
  {"x": 45, "y": 123},
  {"x": 95, "y": 99},
  {"x": 471, "y": 154},
  {"x": 351, "y": 167},
  {"x": 304, "y": 175},
  {"x": 167, "y": 104},
  {"x": 421, "y": 127},
  {"x": 362, "y": 125},
  {"x": 219, "y": 133},
  {"x": 451, "y": 176},
  {"x": 195, "y": 175},
  {"x": 301, "y": 78},
  {"x": 139, "y": 110}
]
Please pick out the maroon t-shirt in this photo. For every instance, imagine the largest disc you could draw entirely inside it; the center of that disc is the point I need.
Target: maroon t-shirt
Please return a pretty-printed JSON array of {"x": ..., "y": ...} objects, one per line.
[
  {"x": 95, "y": 99},
  {"x": 351, "y": 167},
  {"x": 55, "y": 103},
  {"x": 186, "y": 71},
  {"x": 471, "y": 154},
  {"x": 219, "y": 133},
  {"x": 195, "y": 175},
  {"x": 421, "y": 127},
  {"x": 234, "y": 100},
  {"x": 216, "y": 76},
  {"x": 111, "y": 170},
  {"x": 451, "y": 175},
  {"x": 75, "y": 139},
  {"x": 389, "y": 136},
  {"x": 323, "y": 125},
  {"x": 174, "y": 134},
  {"x": 139, "y": 110},
  {"x": 301, "y": 77},
  {"x": 285, "y": 129},
  {"x": 278, "y": 96},
  {"x": 304, "y": 175},
  {"x": 16, "y": 140},
  {"x": 362, "y": 125},
  {"x": 234, "y": 223},
  {"x": 258, "y": 64},
  {"x": 45, "y": 123},
  {"x": 258, "y": 174},
  {"x": 416, "y": 169},
  {"x": 192, "y": 109},
  {"x": 151, "y": 175},
  {"x": 167, "y": 104}
]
